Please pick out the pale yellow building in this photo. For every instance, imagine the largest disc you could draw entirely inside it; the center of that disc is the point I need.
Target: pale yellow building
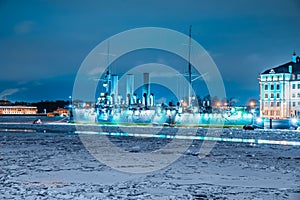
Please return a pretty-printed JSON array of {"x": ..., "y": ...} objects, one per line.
[{"x": 280, "y": 90}]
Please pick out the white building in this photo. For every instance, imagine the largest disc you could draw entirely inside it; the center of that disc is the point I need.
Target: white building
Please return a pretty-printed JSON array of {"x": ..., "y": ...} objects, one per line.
[{"x": 280, "y": 90}]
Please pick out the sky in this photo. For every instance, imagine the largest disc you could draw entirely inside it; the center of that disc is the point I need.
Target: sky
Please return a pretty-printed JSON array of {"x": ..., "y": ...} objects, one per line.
[{"x": 43, "y": 43}]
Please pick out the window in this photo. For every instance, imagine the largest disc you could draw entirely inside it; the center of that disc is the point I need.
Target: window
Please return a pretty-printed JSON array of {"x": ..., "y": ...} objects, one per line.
[
  {"x": 277, "y": 103},
  {"x": 293, "y": 95},
  {"x": 266, "y": 95},
  {"x": 298, "y": 103},
  {"x": 272, "y": 104},
  {"x": 298, "y": 86},
  {"x": 298, "y": 76},
  {"x": 277, "y": 87},
  {"x": 277, "y": 95},
  {"x": 272, "y": 87},
  {"x": 266, "y": 104},
  {"x": 298, "y": 95},
  {"x": 272, "y": 95},
  {"x": 266, "y": 87},
  {"x": 294, "y": 104},
  {"x": 294, "y": 86}
]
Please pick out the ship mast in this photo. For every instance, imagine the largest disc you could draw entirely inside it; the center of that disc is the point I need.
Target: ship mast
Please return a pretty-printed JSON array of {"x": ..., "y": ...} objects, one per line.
[
  {"x": 108, "y": 73},
  {"x": 189, "y": 66}
]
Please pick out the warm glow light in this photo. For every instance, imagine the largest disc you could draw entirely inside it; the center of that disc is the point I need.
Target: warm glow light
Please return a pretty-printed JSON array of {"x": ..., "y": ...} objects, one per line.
[{"x": 252, "y": 103}]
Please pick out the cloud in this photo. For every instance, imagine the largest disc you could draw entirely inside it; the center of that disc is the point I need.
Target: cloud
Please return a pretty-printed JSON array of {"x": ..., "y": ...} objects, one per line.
[
  {"x": 24, "y": 27},
  {"x": 8, "y": 92}
]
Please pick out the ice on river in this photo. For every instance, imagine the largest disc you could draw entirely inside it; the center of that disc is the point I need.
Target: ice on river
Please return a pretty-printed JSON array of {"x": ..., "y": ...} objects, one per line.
[{"x": 58, "y": 166}]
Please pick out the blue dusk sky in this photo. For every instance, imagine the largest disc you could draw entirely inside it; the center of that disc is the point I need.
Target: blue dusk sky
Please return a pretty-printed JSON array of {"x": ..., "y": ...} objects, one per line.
[{"x": 43, "y": 43}]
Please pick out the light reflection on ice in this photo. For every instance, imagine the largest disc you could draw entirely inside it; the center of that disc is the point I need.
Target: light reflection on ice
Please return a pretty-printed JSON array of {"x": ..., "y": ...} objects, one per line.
[{"x": 201, "y": 138}]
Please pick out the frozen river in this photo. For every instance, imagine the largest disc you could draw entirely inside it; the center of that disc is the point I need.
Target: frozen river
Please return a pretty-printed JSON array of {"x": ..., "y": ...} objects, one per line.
[{"x": 51, "y": 165}]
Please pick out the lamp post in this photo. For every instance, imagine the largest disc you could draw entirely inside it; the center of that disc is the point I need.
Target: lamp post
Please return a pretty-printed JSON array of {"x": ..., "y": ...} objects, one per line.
[
  {"x": 70, "y": 109},
  {"x": 252, "y": 105}
]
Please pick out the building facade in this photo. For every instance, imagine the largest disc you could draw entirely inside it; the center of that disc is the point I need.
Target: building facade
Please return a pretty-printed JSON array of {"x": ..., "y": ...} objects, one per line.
[
  {"x": 280, "y": 90},
  {"x": 26, "y": 110}
]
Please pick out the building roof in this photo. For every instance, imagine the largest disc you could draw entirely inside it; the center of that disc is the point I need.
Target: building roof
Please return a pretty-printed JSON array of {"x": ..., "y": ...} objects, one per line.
[{"x": 285, "y": 68}]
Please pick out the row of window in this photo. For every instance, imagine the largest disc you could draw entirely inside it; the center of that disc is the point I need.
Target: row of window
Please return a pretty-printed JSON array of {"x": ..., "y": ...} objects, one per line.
[
  {"x": 272, "y": 95},
  {"x": 277, "y": 78},
  {"x": 272, "y": 86},
  {"x": 273, "y": 104},
  {"x": 271, "y": 112},
  {"x": 298, "y": 77},
  {"x": 294, "y": 95},
  {"x": 277, "y": 104},
  {"x": 294, "y": 86},
  {"x": 294, "y": 104},
  {"x": 277, "y": 86}
]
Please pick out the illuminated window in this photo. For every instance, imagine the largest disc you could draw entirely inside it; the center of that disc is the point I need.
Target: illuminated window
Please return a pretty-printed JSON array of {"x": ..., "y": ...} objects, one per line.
[
  {"x": 294, "y": 86},
  {"x": 266, "y": 87},
  {"x": 277, "y": 113}
]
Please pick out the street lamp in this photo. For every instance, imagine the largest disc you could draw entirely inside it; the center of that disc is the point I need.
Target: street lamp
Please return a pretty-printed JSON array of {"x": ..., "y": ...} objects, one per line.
[
  {"x": 70, "y": 109},
  {"x": 252, "y": 105}
]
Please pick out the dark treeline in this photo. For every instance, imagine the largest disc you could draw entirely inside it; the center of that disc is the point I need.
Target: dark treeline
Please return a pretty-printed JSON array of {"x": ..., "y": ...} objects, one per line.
[{"x": 50, "y": 106}]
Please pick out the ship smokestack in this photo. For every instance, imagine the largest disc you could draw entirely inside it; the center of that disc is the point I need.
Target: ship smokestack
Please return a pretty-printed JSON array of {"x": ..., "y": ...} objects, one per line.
[
  {"x": 146, "y": 89},
  {"x": 114, "y": 88},
  {"x": 129, "y": 89}
]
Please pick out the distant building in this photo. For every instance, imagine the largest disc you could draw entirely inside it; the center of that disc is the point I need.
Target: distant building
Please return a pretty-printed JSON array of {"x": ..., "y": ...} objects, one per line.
[
  {"x": 280, "y": 90},
  {"x": 26, "y": 110},
  {"x": 61, "y": 112},
  {"x": 7, "y": 108}
]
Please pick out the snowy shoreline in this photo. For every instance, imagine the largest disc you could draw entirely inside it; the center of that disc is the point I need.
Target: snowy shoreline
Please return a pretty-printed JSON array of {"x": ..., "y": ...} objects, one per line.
[{"x": 263, "y": 134}]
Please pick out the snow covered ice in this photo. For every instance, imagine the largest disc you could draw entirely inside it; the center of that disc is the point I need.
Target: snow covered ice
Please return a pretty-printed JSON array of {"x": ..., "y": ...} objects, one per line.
[{"x": 57, "y": 166}]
